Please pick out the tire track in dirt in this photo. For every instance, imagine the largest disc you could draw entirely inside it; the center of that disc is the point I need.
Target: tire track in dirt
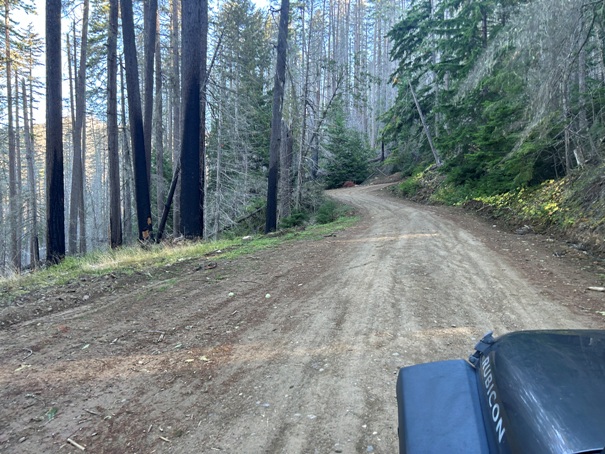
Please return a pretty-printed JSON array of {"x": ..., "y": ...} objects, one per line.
[
  {"x": 311, "y": 369},
  {"x": 405, "y": 286}
]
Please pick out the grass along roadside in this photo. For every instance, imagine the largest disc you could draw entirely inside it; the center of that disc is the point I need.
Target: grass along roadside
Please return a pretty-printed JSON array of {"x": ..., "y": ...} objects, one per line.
[{"x": 133, "y": 259}]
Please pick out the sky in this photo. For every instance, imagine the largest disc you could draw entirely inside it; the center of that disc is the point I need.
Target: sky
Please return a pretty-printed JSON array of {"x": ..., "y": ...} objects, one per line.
[{"x": 38, "y": 22}]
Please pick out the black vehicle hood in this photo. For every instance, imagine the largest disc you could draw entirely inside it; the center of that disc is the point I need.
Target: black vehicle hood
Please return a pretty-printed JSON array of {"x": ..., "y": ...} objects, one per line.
[{"x": 544, "y": 391}]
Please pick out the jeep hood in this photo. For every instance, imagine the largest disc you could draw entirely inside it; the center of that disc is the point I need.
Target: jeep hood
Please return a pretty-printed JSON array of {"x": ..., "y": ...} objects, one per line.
[{"x": 543, "y": 391}]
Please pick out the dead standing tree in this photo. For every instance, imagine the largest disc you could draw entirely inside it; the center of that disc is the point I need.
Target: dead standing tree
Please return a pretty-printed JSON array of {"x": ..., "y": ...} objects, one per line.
[
  {"x": 115, "y": 217},
  {"x": 195, "y": 29},
  {"x": 150, "y": 32},
  {"x": 141, "y": 184},
  {"x": 31, "y": 179},
  {"x": 14, "y": 190},
  {"x": 55, "y": 197},
  {"x": 278, "y": 101},
  {"x": 77, "y": 215}
]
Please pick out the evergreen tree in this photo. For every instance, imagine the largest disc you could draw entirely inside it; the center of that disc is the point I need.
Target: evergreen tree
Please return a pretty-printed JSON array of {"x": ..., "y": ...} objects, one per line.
[
  {"x": 347, "y": 153},
  {"x": 240, "y": 100}
]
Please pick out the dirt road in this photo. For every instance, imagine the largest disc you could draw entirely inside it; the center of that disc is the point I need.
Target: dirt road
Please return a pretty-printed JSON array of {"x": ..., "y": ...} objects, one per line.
[{"x": 292, "y": 350}]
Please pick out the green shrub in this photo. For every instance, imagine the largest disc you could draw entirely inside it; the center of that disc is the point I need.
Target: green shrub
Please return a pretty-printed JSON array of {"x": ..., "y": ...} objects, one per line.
[
  {"x": 449, "y": 194},
  {"x": 328, "y": 212},
  {"x": 409, "y": 187},
  {"x": 295, "y": 219}
]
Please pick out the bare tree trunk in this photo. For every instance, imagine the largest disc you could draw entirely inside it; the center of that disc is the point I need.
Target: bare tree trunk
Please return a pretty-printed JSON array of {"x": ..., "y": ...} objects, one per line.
[
  {"x": 55, "y": 202},
  {"x": 158, "y": 128},
  {"x": 425, "y": 126},
  {"x": 195, "y": 27},
  {"x": 303, "y": 129},
  {"x": 176, "y": 103},
  {"x": 97, "y": 200},
  {"x": 582, "y": 117},
  {"x": 33, "y": 202},
  {"x": 169, "y": 198},
  {"x": 484, "y": 27},
  {"x": 566, "y": 125},
  {"x": 115, "y": 217},
  {"x": 72, "y": 59},
  {"x": 139, "y": 154},
  {"x": 72, "y": 226},
  {"x": 278, "y": 100},
  {"x": 150, "y": 23},
  {"x": 81, "y": 209},
  {"x": 312, "y": 141},
  {"x": 76, "y": 211},
  {"x": 204, "y": 76},
  {"x": 19, "y": 213},
  {"x": 217, "y": 187},
  {"x": 31, "y": 97},
  {"x": 126, "y": 165},
  {"x": 285, "y": 167},
  {"x": 15, "y": 254},
  {"x": 3, "y": 233}
]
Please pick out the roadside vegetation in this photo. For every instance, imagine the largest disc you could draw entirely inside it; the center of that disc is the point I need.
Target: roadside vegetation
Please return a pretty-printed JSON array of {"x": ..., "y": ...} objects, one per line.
[
  {"x": 571, "y": 206},
  {"x": 500, "y": 109},
  {"x": 330, "y": 218}
]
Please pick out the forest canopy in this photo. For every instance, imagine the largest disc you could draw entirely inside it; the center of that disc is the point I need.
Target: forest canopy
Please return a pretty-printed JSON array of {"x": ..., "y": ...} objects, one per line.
[{"x": 512, "y": 90}]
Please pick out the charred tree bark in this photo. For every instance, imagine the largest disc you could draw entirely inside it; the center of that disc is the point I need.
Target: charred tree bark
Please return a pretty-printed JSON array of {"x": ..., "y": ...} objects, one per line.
[
  {"x": 278, "y": 100},
  {"x": 176, "y": 106},
  {"x": 151, "y": 14},
  {"x": 194, "y": 18},
  {"x": 137, "y": 136},
  {"x": 115, "y": 216},
  {"x": 204, "y": 90},
  {"x": 55, "y": 201},
  {"x": 173, "y": 186},
  {"x": 158, "y": 128}
]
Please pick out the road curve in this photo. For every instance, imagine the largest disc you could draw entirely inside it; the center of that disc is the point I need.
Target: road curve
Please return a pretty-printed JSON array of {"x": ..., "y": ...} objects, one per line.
[
  {"x": 403, "y": 287},
  {"x": 288, "y": 350}
]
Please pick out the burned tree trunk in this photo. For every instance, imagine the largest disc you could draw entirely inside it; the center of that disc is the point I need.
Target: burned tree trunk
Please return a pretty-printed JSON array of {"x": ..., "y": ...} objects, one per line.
[
  {"x": 278, "y": 100},
  {"x": 141, "y": 183},
  {"x": 115, "y": 217},
  {"x": 195, "y": 18},
  {"x": 55, "y": 196}
]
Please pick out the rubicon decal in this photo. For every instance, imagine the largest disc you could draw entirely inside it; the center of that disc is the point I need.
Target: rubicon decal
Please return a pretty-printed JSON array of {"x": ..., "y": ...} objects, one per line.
[{"x": 492, "y": 398}]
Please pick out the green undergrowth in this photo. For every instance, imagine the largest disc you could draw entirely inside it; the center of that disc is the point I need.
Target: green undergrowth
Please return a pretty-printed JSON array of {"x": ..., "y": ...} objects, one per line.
[
  {"x": 572, "y": 206},
  {"x": 134, "y": 259},
  {"x": 544, "y": 206}
]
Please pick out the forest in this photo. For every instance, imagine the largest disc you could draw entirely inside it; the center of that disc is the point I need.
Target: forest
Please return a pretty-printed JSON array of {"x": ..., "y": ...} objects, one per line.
[{"x": 189, "y": 119}]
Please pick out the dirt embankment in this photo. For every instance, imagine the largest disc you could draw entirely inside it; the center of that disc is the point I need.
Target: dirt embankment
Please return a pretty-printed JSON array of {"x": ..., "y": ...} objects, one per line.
[{"x": 290, "y": 350}]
